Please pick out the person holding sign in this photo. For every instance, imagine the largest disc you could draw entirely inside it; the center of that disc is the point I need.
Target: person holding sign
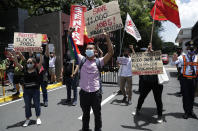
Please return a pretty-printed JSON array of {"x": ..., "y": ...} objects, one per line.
[
  {"x": 126, "y": 75},
  {"x": 90, "y": 93},
  {"x": 150, "y": 82},
  {"x": 189, "y": 77},
  {"x": 31, "y": 87}
]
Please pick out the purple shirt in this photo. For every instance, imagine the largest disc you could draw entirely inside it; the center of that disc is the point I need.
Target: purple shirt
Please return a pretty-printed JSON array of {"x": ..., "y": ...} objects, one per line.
[{"x": 90, "y": 75}]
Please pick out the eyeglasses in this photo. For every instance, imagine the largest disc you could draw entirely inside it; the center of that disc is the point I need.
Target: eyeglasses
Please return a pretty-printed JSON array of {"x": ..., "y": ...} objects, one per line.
[{"x": 29, "y": 62}]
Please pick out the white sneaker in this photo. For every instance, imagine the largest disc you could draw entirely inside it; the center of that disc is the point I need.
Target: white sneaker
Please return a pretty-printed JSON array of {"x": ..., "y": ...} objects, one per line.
[
  {"x": 160, "y": 120},
  {"x": 26, "y": 123},
  {"x": 38, "y": 121}
]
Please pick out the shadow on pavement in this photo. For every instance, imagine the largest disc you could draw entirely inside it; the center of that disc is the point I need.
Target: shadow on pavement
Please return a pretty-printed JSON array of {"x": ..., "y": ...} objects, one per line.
[
  {"x": 146, "y": 117},
  {"x": 174, "y": 94},
  {"x": 119, "y": 102},
  {"x": 196, "y": 104},
  {"x": 178, "y": 115},
  {"x": 64, "y": 103},
  {"x": 173, "y": 74},
  {"x": 19, "y": 124}
]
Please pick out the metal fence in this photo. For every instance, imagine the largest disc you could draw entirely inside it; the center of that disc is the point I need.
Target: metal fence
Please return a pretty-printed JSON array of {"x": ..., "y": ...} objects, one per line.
[{"x": 109, "y": 74}]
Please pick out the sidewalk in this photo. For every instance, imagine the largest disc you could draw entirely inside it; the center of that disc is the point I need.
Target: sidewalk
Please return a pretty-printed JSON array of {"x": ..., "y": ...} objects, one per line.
[{"x": 9, "y": 93}]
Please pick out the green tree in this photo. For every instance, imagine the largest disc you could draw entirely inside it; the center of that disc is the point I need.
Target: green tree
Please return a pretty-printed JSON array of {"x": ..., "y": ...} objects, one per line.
[
  {"x": 139, "y": 10},
  {"x": 168, "y": 47}
]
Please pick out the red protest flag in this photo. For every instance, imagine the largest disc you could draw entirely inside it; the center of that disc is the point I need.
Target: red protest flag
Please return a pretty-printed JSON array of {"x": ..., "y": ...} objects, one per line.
[
  {"x": 87, "y": 40},
  {"x": 158, "y": 14},
  {"x": 166, "y": 10}
]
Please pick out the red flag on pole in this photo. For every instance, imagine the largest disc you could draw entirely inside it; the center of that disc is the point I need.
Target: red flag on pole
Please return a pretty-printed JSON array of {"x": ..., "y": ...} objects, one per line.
[{"x": 166, "y": 10}]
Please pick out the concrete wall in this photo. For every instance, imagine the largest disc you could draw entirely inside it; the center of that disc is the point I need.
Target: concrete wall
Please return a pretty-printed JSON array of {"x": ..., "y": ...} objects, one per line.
[{"x": 50, "y": 24}]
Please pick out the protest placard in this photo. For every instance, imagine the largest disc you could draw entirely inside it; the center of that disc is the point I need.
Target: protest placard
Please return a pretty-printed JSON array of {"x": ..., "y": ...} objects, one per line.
[
  {"x": 25, "y": 42},
  {"x": 103, "y": 18},
  {"x": 147, "y": 63},
  {"x": 51, "y": 48}
]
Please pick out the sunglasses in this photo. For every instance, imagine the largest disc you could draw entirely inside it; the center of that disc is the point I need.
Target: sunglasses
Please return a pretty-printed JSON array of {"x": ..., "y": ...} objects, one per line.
[{"x": 29, "y": 62}]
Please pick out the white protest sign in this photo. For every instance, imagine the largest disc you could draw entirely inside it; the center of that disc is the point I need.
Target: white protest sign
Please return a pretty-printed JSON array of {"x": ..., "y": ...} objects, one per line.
[
  {"x": 25, "y": 42},
  {"x": 147, "y": 63},
  {"x": 103, "y": 18},
  {"x": 51, "y": 47}
]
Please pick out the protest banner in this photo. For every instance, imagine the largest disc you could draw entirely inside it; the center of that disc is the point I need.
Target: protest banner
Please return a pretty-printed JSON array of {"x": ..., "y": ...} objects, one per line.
[
  {"x": 78, "y": 23},
  {"x": 103, "y": 18},
  {"x": 147, "y": 63},
  {"x": 25, "y": 42}
]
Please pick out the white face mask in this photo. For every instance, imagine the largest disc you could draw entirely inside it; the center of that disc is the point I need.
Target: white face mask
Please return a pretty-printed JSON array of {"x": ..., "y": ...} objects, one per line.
[
  {"x": 89, "y": 53},
  {"x": 30, "y": 66}
]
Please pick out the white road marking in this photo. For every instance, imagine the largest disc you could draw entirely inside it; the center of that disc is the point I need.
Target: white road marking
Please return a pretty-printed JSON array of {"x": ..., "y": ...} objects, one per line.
[
  {"x": 171, "y": 69},
  {"x": 103, "y": 102},
  {"x": 22, "y": 97}
]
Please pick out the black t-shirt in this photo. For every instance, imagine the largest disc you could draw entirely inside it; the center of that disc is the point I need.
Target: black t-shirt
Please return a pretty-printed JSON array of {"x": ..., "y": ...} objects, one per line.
[
  {"x": 11, "y": 67},
  {"x": 31, "y": 80},
  {"x": 45, "y": 63}
]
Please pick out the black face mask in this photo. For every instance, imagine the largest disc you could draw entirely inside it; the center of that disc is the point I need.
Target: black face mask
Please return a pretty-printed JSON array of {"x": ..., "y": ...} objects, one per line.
[{"x": 126, "y": 55}]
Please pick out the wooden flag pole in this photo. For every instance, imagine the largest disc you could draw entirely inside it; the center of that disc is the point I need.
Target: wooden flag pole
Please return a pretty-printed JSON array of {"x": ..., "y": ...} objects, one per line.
[
  {"x": 153, "y": 26},
  {"x": 122, "y": 43}
]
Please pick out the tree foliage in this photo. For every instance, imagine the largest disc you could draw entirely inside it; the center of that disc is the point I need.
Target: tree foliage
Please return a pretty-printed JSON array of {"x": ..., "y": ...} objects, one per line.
[
  {"x": 139, "y": 10},
  {"x": 168, "y": 47}
]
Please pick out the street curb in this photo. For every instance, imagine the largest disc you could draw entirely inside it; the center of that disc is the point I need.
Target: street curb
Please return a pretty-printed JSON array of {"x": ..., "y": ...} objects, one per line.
[{"x": 11, "y": 97}]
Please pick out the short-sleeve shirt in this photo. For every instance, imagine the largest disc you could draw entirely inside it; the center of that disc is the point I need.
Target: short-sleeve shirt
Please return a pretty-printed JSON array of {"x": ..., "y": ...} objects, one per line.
[
  {"x": 31, "y": 80},
  {"x": 90, "y": 75},
  {"x": 52, "y": 61},
  {"x": 126, "y": 69}
]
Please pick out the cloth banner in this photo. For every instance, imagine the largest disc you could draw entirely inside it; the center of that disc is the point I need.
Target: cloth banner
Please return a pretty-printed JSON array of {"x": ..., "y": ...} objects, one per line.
[
  {"x": 77, "y": 21},
  {"x": 131, "y": 29},
  {"x": 105, "y": 18}
]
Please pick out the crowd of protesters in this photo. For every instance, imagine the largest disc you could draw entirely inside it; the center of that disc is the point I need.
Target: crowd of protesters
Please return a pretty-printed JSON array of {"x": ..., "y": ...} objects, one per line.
[{"x": 34, "y": 70}]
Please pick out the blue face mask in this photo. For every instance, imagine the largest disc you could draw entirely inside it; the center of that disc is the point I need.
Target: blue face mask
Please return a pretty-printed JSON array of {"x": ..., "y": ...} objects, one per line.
[
  {"x": 89, "y": 53},
  {"x": 190, "y": 52}
]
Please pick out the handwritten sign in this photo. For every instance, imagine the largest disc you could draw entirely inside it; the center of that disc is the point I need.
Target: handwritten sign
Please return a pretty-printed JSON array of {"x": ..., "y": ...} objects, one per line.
[
  {"x": 25, "y": 42},
  {"x": 147, "y": 63},
  {"x": 103, "y": 18}
]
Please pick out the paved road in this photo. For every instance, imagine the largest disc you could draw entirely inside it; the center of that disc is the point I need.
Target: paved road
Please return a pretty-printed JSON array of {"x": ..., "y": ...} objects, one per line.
[{"x": 116, "y": 116}]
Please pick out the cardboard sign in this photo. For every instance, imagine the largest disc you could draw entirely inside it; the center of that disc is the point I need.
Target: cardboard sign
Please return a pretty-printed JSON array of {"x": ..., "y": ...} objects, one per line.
[
  {"x": 25, "y": 42},
  {"x": 103, "y": 18},
  {"x": 147, "y": 63}
]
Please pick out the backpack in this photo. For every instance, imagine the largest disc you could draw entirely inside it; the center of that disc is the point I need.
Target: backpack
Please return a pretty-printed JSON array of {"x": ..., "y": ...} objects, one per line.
[{"x": 98, "y": 66}]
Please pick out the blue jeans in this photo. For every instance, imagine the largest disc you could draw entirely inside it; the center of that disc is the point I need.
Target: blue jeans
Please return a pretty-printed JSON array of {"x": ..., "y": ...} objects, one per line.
[
  {"x": 11, "y": 78},
  {"x": 28, "y": 95},
  {"x": 44, "y": 91},
  {"x": 71, "y": 83}
]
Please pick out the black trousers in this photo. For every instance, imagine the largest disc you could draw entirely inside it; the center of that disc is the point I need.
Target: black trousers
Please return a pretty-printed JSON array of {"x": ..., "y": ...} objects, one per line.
[
  {"x": 188, "y": 93},
  {"x": 157, "y": 92},
  {"x": 88, "y": 101}
]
